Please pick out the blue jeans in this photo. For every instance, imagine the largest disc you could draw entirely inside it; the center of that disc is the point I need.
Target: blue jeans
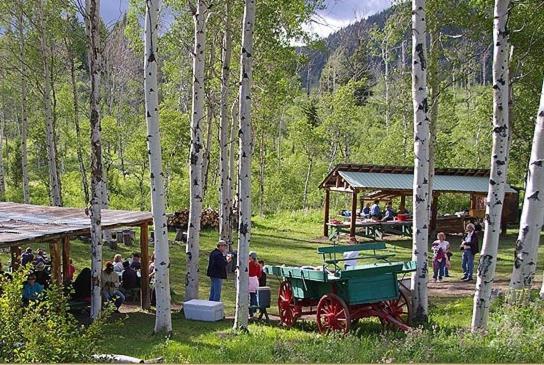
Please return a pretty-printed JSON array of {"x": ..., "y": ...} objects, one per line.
[
  {"x": 468, "y": 263},
  {"x": 252, "y": 303},
  {"x": 117, "y": 295},
  {"x": 438, "y": 269},
  {"x": 215, "y": 289}
]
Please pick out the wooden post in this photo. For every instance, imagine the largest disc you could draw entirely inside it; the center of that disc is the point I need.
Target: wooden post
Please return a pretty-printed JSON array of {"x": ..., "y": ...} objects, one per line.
[
  {"x": 353, "y": 214},
  {"x": 15, "y": 257},
  {"x": 65, "y": 258},
  {"x": 434, "y": 214},
  {"x": 326, "y": 213},
  {"x": 56, "y": 265},
  {"x": 144, "y": 279},
  {"x": 402, "y": 207},
  {"x": 472, "y": 201}
]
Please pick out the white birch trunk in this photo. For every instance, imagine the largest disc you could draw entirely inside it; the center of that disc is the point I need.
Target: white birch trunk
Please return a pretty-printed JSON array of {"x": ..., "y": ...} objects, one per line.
[
  {"x": 225, "y": 231},
  {"x": 163, "y": 318},
  {"x": 24, "y": 115},
  {"x": 532, "y": 215},
  {"x": 93, "y": 22},
  {"x": 2, "y": 178},
  {"x": 499, "y": 166},
  {"x": 421, "y": 198},
  {"x": 244, "y": 168},
  {"x": 195, "y": 167},
  {"x": 54, "y": 183}
]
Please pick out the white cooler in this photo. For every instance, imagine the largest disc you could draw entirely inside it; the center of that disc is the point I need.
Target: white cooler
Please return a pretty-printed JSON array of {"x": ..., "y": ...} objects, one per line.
[{"x": 203, "y": 310}]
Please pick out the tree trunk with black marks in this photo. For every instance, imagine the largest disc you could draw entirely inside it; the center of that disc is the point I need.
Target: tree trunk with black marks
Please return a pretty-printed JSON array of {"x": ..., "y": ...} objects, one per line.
[
  {"x": 244, "y": 168},
  {"x": 306, "y": 184},
  {"x": 24, "y": 114},
  {"x": 2, "y": 176},
  {"x": 421, "y": 198},
  {"x": 93, "y": 34},
  {"x": 195, "y": 167},
  {"x": 499, "y": 167},
  {"x": 532, "y": 215},
  {"x": 54, "y": 183},
  {"x": 225, "y": 190},
  {"x": 163, "y": 317}
]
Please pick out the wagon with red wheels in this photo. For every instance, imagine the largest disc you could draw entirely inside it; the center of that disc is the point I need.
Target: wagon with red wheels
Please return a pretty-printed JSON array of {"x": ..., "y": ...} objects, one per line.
[{"x": 339, "y": 296}]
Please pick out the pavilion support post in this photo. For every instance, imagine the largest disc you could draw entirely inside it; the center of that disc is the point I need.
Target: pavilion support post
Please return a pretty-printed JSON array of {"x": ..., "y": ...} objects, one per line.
[
  {"x": 65, "y": 258},
  {"x": 326, "y": 213},
  {"x": 56, "y": 265},
  {"x": 15, "y": 253},
  {"x": 434, "y": 215},
  {"x": 472, "y": 201},
  {"x": 402, "y": 207},
  {"x": 353, "y": 214},
  {"x": 144, "y": 280}
]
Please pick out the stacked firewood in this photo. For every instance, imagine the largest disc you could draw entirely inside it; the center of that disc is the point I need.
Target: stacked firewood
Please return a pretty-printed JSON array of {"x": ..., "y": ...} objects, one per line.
[{"x": 208, "y": 219}]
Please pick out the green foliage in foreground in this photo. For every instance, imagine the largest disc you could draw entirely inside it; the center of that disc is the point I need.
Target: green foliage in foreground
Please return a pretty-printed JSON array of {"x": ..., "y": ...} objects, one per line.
[
  {"x": 44, "y": 331},
  {"x": 516, "y": 334}
]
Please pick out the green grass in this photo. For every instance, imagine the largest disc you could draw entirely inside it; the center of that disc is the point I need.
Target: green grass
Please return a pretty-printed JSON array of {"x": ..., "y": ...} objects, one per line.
[{"x": 286, "y": 239}]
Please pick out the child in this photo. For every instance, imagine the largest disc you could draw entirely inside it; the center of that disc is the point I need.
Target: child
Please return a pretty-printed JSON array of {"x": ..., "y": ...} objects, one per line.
[
  {"x": 439, "y": 261},
  {"x": 445, "y": 246}
]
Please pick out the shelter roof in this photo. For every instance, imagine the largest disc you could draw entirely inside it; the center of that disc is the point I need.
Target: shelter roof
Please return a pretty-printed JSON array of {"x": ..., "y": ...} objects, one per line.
[
  {"x": 25, "y": 223},
  {"x": 393, "y": 180}
]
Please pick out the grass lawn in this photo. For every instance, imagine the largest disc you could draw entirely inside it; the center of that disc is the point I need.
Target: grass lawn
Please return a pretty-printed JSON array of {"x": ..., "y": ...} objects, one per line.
[{"x": 285, "y": 239}]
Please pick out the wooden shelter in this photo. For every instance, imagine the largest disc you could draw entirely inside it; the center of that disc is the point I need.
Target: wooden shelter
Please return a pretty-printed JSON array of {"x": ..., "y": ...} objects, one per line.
[
  {"x": 388, "y": 182},
  {"x": 23, "y": 224}
]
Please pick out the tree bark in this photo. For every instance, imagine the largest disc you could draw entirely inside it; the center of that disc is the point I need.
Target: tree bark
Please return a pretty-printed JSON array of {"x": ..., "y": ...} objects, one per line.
[
  {"x": 24, "y": 114},
  {"x": 532, "y": 215},
  {"x": 244, "y": 168},
  {"x": 54, "y": 183},
  {"x": 421, "y": 198},
  {"x": 499, "y": 166},
  {"x": 195, "y": 169},
  {"x": 93, "y": 34},
  {"x": 225, "y": 231},
  {"x": 2, "y": 176},
  {"x": 163, "y": 318}
]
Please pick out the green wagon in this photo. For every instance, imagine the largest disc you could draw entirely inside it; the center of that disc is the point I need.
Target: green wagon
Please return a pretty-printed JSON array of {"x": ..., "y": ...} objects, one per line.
[{"x": 341, "y": 296}]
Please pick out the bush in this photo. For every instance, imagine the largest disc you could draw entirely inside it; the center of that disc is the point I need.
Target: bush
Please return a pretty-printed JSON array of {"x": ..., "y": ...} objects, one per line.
[{"x": 43, "y": 331}]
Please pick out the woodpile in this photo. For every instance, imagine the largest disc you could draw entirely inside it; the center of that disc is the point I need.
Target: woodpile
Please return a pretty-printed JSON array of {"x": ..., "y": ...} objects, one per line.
[{"x": 208, "y": 219}]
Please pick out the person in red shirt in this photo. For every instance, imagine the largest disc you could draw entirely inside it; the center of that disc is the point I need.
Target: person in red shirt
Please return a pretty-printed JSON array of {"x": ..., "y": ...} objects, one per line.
[{"x": 255, "y": 272}]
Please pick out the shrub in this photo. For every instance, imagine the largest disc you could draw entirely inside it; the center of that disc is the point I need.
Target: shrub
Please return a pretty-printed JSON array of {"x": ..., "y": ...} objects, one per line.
[{"x": 43, "y": 331}]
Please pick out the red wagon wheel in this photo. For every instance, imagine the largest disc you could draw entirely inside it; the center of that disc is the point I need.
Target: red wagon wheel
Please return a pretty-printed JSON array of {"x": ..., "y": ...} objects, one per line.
[
  {"x": 332, "y": 314},
  {"x": 286, "y": 304},
  {"x": 399, "y": 310}
]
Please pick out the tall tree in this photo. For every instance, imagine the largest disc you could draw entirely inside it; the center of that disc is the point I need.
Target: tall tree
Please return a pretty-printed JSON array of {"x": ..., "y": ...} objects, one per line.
[
  {"x": 532, "y": 215},
  {"x": 244, "y": 168},
  {"x": 225, "y": 188},
  {"x": 24, "y": 93},
  {"x": 45, "y": 50},
  {"x": 195, "y": 167},
  {"x": 421, "y": 198},
  {"x": 163, "y": 318},
  {"x": 93, "y": 33},
  {"x": 499, "y": 166}
]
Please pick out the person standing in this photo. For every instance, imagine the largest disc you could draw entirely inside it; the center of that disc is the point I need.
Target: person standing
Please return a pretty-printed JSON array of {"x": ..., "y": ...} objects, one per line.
[
  {"x": 255, "y": 272},
  {"x": 217, "y": 270},
  {"x": 469, "y": 246}
]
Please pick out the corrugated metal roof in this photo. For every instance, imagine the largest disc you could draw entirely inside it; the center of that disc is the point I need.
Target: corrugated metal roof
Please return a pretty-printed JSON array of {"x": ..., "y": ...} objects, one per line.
[{"x": 380, "y": 180}]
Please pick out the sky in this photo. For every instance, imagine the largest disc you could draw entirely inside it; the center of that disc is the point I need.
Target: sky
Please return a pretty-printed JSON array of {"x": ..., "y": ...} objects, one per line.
[{"x": 337, "y": 14}]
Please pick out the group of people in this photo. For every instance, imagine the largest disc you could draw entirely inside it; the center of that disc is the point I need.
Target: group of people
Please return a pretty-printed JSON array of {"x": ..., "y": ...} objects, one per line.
[
  {"x": 217, "y": 272},
  {"x": 375, "y": 212},
  {"x": 442, "y": 254}
]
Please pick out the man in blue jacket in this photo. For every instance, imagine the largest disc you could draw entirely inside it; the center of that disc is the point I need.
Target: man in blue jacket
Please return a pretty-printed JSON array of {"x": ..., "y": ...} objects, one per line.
[{"x": 217, "y": 269}]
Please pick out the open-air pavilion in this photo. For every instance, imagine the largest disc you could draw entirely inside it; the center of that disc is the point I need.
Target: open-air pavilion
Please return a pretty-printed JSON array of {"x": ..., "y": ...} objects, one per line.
[
  {"x": 384, "y": 183},
  {"x": 23, "y": 224}
]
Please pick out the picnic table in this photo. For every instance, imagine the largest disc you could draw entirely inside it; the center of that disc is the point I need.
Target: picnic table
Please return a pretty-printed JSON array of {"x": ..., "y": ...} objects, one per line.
[{"x": 372, "y": 229}]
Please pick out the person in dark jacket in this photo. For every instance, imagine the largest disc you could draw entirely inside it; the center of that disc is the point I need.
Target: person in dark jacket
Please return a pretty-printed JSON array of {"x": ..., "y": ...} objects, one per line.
[
  {"x": 217, "y": 270},
  {"x": 82, "y": 286},
  {"x": 470, "y": 248},
  {"x": 129, "y": 278}
]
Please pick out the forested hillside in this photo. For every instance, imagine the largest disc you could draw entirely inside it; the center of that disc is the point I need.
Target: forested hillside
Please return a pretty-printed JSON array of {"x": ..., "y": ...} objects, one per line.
[{"x": 358, "y": 109}]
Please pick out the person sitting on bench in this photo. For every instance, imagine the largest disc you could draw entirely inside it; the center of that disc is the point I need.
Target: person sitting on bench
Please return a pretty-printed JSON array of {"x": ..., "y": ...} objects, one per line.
[
  {"x": 129, "y": 279},
  {"x": 375, "y": 211},
  {"x": 389, "y": 213},
  {"x": 110, "y": 286}
]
